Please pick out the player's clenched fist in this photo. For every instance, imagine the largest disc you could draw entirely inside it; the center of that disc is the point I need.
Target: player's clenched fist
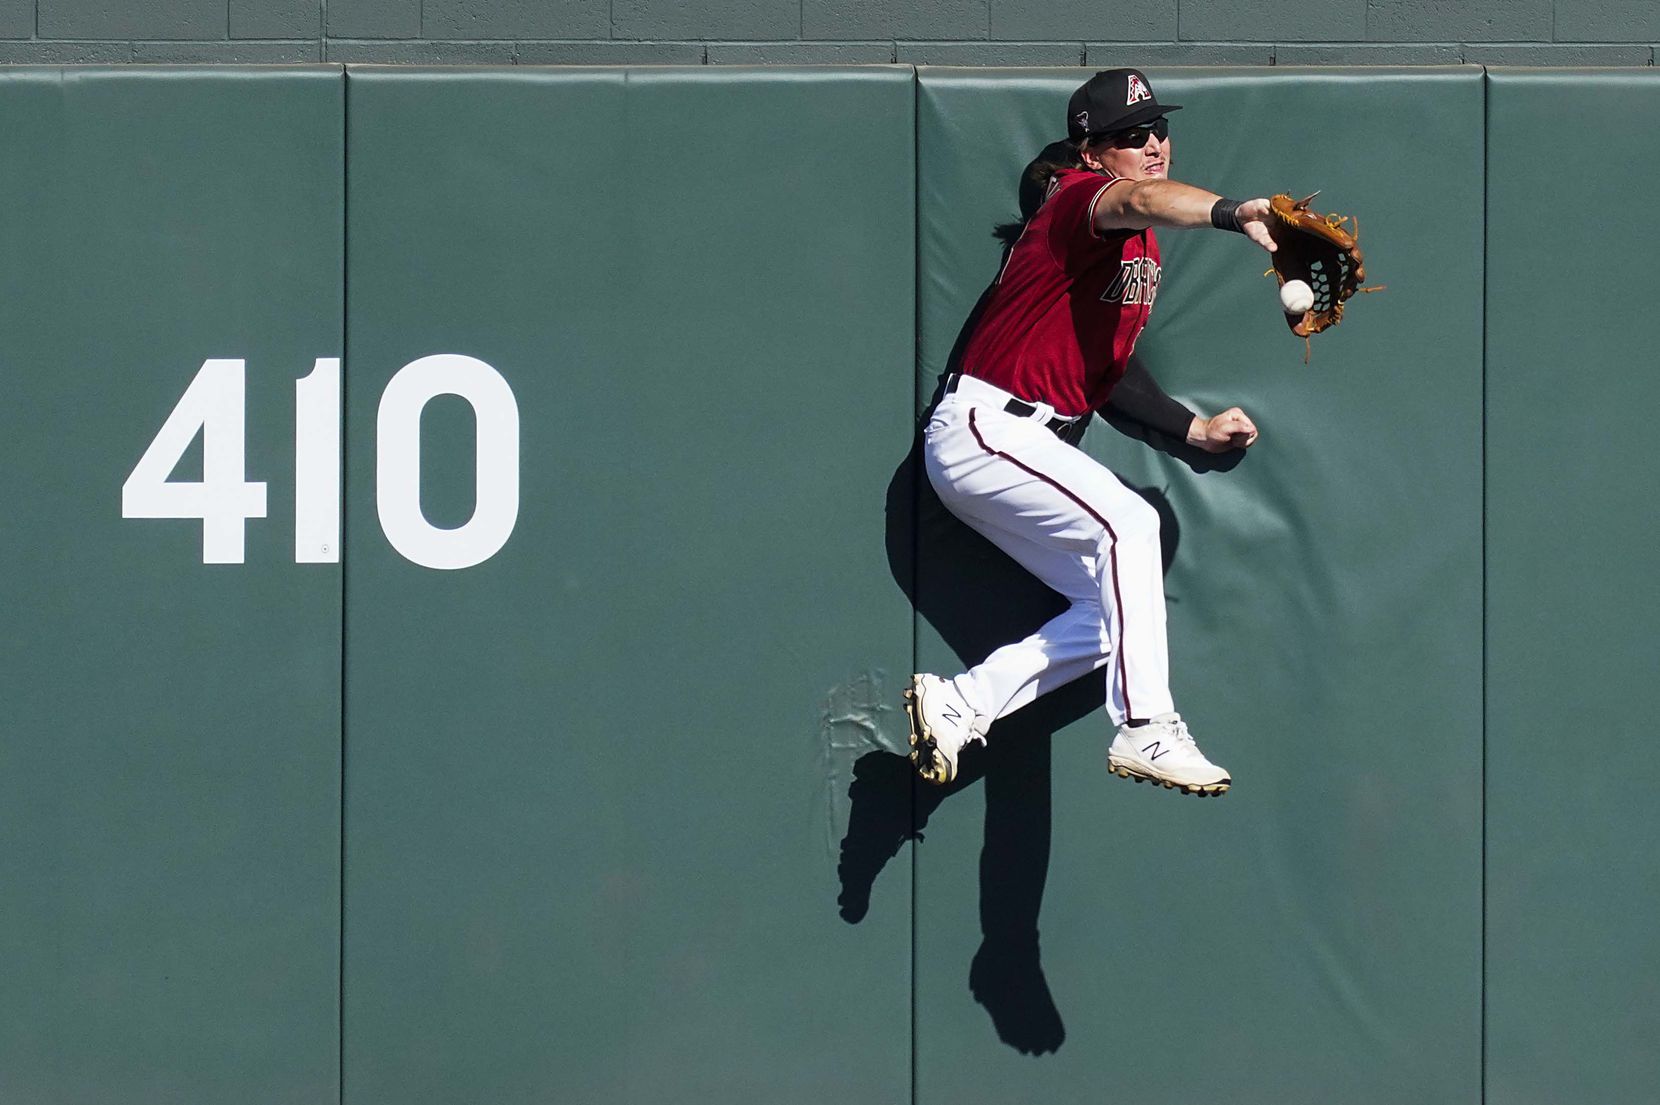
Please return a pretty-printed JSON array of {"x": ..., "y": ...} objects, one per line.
[{"x": 1232, "y": 429}]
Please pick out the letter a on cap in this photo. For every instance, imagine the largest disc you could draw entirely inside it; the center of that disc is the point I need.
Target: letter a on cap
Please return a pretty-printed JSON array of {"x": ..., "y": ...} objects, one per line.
[{"x": 1138, "y": 91}]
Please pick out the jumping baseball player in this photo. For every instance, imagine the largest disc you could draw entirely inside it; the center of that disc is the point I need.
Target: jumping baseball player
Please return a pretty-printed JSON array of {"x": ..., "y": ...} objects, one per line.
[{"x": 1050, "y": 347}]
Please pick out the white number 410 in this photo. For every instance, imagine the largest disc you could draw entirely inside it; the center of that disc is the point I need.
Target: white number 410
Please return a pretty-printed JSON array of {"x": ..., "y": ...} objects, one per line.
[{"x": 215, "y": 405}]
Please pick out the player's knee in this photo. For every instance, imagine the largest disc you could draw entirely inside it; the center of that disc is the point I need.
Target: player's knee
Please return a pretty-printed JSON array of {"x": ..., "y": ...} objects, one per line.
[{"x": 1134, "y": 524}]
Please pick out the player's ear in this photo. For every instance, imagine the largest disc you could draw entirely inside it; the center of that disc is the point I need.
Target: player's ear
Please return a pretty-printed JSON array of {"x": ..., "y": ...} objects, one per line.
[{"x": 1088, "y": 154}]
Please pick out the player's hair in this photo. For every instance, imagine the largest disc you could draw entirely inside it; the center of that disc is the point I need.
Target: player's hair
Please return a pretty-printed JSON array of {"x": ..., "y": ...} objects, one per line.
[
  {"x": 1034, "y": 182},
  {"x": 1071, "y": 158}
]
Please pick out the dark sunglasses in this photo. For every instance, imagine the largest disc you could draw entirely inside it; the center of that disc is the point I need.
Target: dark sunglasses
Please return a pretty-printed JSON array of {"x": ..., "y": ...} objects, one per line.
[{"x": 1135, "y": 137}]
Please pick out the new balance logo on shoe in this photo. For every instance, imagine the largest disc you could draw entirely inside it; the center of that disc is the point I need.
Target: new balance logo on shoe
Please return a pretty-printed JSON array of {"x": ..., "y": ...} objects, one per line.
[
  {"x": 941, "y": 724},
  {"x": 1170, "y": 759}
]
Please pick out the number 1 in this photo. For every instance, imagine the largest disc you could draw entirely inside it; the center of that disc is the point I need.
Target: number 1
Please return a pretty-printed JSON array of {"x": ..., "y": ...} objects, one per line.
[{"x": 317, "y": 464}]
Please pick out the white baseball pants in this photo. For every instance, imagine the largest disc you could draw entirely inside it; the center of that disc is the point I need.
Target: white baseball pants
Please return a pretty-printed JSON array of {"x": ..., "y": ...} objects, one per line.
[{"x": 1075, "y": 526}]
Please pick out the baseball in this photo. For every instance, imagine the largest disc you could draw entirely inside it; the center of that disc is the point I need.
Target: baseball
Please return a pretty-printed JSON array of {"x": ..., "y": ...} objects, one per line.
[{"x": 1296, "y": 297}]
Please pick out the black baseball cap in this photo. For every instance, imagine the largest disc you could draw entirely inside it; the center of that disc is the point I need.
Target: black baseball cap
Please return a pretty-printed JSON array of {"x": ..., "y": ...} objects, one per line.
[{"x": 1113, "y": 99}]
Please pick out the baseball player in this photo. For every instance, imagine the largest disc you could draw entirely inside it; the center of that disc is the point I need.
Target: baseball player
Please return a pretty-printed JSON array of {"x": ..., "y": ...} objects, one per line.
[{"x": 1051, "y": 345}]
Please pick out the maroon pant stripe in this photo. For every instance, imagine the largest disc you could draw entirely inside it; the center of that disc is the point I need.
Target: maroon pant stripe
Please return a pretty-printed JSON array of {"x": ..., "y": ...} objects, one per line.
[{"x": 1112, "y": 549}]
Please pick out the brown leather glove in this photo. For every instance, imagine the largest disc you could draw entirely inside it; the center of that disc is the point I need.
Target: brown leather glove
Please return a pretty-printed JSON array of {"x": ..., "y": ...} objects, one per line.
[{"x": 1318, "y": 250}]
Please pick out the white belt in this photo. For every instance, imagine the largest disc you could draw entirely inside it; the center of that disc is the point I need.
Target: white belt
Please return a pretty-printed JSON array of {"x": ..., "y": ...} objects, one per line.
[{"x": 976, "y": 389}]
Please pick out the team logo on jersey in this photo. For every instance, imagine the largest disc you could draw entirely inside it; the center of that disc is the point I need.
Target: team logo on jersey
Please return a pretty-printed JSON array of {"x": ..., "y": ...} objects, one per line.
[
  {"x": 1138, "y": 91},
  {"x": 1137, "y": 282}
]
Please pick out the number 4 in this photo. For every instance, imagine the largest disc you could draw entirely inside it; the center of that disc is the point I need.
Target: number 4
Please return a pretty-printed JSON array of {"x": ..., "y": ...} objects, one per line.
[{"x": 224, "y": 501}]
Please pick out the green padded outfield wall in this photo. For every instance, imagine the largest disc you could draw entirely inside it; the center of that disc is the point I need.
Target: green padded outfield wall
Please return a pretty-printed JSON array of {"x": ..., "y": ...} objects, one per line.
[
  {"x": 1315, "y": 935},
  {"x": 1571, "y": 599},
  {"x": 169, "y": 728},
  {"x": 623, "y": 806},
  {"x": 595, "y": 783}
]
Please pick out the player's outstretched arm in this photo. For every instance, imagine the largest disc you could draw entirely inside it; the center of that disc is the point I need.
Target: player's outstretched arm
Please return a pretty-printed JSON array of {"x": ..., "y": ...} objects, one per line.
[{"x": 1138, "y": 204}]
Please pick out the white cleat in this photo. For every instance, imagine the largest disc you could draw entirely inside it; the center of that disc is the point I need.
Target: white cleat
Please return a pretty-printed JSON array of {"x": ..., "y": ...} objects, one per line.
[
  {"x": 1162, "y": 751},
  {"x": 942, "y": 723}
]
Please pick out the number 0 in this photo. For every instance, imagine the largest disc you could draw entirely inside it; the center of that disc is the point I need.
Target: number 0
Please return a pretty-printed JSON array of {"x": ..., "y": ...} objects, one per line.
[{"x": 398, "y": 461}]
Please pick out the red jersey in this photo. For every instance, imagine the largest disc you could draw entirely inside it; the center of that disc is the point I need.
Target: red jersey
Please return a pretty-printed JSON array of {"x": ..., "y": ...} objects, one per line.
[{"x": 1069, "y": 303}]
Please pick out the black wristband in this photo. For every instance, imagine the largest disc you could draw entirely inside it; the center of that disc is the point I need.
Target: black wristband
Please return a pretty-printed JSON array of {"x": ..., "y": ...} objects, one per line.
[{"x": 1224, "y": 215}]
